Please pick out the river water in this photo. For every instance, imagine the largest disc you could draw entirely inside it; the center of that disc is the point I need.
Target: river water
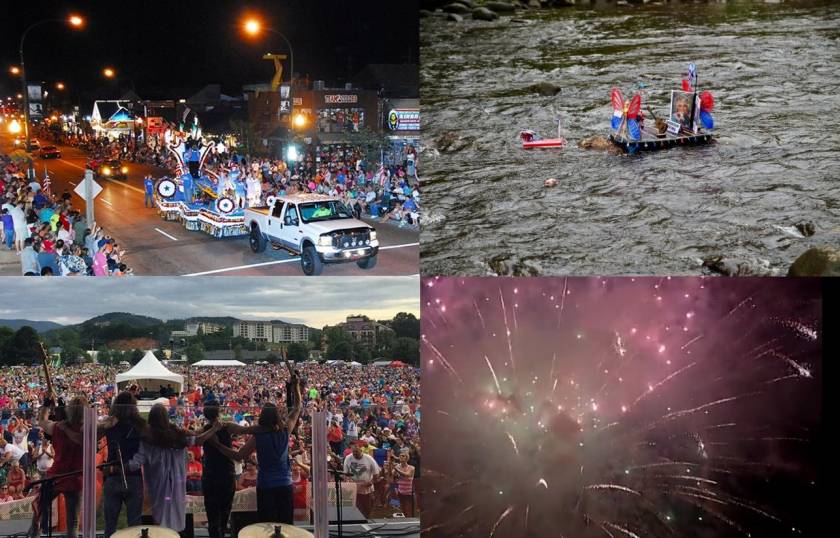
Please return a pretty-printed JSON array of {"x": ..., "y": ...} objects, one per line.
[{"x": 774, "y": 70}]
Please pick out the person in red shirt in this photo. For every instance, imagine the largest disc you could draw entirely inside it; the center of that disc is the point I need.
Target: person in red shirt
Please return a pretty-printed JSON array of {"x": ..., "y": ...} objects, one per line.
[
  {"x": 67, "y": 442},
  {"x": 193, "y": 474},
  {"x": 335, "y": 436}
]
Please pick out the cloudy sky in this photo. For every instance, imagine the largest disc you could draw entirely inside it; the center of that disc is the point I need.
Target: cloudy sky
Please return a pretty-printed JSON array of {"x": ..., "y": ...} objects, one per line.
[{"x": 313, "y": 301}]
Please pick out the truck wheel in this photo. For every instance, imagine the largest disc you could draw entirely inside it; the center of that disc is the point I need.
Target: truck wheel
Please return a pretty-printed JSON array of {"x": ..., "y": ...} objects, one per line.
[
  {"x": 310, "y": 262},
  {"x": 256, "y": 239},
  {"x": 367, "y": 263}
]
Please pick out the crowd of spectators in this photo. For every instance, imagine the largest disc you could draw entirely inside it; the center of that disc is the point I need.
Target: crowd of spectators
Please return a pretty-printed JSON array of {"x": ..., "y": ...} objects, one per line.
[
  {"x": 373, "y": 421},
  {"x": 48, "y": 232}
]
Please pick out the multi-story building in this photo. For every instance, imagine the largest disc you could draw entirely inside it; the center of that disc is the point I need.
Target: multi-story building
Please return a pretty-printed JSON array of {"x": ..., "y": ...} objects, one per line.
[
  {"x": 363, "y": 330},
  {"x": 271, "y": 331}
]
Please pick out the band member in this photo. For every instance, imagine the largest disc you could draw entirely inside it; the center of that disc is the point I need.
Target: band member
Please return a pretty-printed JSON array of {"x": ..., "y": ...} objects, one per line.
[
  {"x": 162, "y": 454},
  {"x": 121, "y": 484},
  {"x": 270, "y": 439},
  {"x": 67, "y": 443}
]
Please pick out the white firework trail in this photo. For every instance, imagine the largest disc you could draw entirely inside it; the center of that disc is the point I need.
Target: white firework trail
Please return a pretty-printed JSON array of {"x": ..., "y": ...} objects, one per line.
[
  {"x": 480, "y": 317},
  {"x": 505, "y": 514},
  {"x": 495, "y": 379},
  {"x": 551, "y": 374},
  {"x": 507, "y": 329},
  {"x": 696, "y": 338},
  {"x": 721, "y": 401},
  {"x": 443, "y": 360},
  {"x": 543, "y": 483},
  {"x": 615, "y": 487},
  {"x": 800, "y": 370},
  {"x": 513, "y": 442},
  {"x": 737, "y": 306},
  {"x": 621, "y": 529},
  {"x": 563, "y": 300},
  {"x": 668, "y": 378}
]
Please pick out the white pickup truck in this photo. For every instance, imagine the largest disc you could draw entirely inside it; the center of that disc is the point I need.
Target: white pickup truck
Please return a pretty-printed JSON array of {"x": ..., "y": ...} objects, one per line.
[{"x": 318, "y": 228}]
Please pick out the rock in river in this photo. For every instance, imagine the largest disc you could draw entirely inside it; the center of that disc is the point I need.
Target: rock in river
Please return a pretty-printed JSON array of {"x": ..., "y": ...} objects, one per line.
[
  {"x": 484, "y": 14},
  {"x": 817, "y": 261},
  {"x": 500, "y": 7},
  {"x": 454, "y": 17},
  {"x": 545, "y": 88},
  {"x": 457, "y": 7},
  {"x": 806, "y": 228}
]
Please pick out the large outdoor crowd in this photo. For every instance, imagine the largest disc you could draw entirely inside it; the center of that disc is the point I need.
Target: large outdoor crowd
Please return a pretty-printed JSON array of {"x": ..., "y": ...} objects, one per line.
[
  {"x": 219, "y": 420},
  {"x": 48, "y": 233},
  {"x": 387, "y": 192}
]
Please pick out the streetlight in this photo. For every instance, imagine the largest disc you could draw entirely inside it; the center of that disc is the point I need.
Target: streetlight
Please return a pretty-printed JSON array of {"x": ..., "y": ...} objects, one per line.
[
  {"x": 253, "y": 27},
  {"x": 75, "y": 21},
  {"x": 108, "y": 72},
  {"x": 14, "y": 127},
  {"x": 59, "y": 85},
  {"x": 15, "y": 70},
  {"x": 300, "y": 120}
]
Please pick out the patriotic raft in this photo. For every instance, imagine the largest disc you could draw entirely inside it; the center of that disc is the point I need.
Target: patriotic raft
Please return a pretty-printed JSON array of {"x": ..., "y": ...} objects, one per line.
[{"x": 689, "y": 121}]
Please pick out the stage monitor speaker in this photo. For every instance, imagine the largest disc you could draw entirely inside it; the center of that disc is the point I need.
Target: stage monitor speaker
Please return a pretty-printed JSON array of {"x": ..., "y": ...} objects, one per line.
[{"x": 349, "y": 515}]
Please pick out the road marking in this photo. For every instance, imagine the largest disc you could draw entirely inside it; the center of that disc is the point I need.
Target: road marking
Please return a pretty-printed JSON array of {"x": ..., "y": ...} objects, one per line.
[
  {"x": 400, "y": 246},
  {"x": 237, "y": 268},
  {"x": 107, "y": 202},
  {"x": 166, "y": 234},
  {"x": 115, "y": 182},
  {"x": 277, "y": 262}
]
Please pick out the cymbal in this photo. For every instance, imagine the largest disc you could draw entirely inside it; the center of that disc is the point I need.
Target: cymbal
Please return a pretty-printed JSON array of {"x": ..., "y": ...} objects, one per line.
[
  {"x": 153, "y": 532},
  {"x": 266, "y": 530}
]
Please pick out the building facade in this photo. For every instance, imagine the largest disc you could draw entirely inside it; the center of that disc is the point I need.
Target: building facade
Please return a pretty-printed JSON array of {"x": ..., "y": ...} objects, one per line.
[
  {"x": 276, "y": 332},
  {"x": 364, "y": 330}
]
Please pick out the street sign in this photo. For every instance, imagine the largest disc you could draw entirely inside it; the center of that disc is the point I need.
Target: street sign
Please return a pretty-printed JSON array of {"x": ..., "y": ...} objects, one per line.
[{"x": 82, "y": 189}]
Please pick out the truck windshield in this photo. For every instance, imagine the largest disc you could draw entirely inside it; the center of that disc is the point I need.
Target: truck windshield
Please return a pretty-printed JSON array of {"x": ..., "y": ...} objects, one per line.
[{"x": 329, "y": 210}]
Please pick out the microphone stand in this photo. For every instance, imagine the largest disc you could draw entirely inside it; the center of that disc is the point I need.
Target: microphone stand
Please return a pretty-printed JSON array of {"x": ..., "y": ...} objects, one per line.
[
  {"x": 45, "y": 501},
  {"x": 337, "y": 476}
]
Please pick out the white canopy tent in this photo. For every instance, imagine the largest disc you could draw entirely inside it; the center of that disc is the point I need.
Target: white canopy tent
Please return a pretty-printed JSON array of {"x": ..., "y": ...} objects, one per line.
[
  {"x": 220, "y": 362},
  {"x": 150, "y": 374}
]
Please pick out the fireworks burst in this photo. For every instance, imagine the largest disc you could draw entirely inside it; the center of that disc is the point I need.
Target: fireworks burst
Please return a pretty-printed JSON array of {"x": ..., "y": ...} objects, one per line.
[{"x": 652, "y": 409}]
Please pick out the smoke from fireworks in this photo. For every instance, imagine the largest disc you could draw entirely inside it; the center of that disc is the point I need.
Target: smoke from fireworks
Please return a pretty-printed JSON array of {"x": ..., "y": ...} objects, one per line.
[{"x": 651, "y": 407}]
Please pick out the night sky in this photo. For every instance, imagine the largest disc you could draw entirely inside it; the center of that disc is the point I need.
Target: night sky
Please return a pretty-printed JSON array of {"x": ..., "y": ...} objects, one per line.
[
  {"x": 173, "y": 48},
  {"x": 646, "y": 407}
]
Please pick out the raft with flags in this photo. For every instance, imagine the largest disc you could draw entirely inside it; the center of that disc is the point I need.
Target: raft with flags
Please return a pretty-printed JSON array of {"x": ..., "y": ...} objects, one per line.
[{"x": 689, "y": 121}]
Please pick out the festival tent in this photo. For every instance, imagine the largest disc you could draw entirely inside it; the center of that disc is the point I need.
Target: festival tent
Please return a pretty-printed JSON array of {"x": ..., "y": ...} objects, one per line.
[
  {"x": 220, "y": 362},
  {"x": 149, "y": 373},
  {"x": 397, "y": 364},
  {"x": 354, "y": 363}
]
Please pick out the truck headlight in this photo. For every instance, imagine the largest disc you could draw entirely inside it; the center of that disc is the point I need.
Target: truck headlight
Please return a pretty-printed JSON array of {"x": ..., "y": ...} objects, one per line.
[
  {"x": 124, "y": 169},
  {"x": 373, "y": 235},
  {"x": 325, "y": 241},
  {"x": 106, "y": 171}
]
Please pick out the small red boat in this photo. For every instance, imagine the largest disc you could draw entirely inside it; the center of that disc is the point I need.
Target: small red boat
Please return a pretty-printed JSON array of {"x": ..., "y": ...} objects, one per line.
[{"x": 531, "y": 140}]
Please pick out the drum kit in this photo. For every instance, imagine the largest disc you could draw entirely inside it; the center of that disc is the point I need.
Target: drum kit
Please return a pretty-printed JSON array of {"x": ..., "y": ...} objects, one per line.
[{"x": 258, "y": 530}]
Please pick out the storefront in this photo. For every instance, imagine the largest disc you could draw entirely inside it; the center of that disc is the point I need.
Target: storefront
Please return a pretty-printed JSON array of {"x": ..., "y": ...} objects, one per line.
[{"x": 401, "y": 123}]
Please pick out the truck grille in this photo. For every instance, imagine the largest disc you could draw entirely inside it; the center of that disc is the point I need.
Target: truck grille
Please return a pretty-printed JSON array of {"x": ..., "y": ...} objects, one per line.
[{"x": 356, "y": 238}]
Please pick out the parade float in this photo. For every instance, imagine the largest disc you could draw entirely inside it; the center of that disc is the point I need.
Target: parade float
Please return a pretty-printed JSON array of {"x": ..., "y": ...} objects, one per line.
[
  {"x": 199, "y": 198},
  {"x": 689, "y": 120}
]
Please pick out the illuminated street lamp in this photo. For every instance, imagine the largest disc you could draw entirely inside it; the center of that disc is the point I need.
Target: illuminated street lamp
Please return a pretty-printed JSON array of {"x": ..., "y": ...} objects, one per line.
[
  {"x": 254, "y": 27},
  {"x": 75, "y": 21},
  {"x": 59, "y": 85},
  {"x": 15, "y": 70},
  {"x": 14, "y": 127},
  {"x": 108, "y": 72},
  {"x": 300, "y": 121}
]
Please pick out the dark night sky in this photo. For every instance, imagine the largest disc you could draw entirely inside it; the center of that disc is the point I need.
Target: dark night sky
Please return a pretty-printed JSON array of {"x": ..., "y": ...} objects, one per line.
[{"x": 173, "y": 48}]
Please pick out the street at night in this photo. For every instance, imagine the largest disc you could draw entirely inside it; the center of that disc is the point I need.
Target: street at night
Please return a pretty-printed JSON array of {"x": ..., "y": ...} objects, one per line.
[{"x": 322, "y": 120}]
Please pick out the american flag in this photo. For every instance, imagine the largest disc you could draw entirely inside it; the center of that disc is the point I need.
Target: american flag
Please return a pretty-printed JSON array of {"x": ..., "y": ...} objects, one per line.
[{"x": 46, "y": 184}]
